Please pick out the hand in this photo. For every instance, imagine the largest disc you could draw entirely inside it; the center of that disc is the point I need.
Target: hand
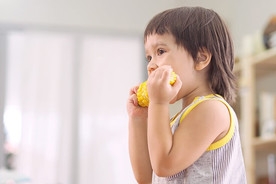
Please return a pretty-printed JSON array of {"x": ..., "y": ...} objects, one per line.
[
  {"x": 159, "y": 89},
  {"x": 134, "y": 110}
]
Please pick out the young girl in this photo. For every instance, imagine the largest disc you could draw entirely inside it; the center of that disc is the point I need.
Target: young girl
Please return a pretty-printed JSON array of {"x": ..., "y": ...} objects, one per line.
[{"x": 201, "y": 143}]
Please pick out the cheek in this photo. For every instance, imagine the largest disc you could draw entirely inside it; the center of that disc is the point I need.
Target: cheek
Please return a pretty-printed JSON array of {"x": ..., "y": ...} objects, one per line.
[
  {"x": 187, "y": 77},
  {"x": 184, "y": 70},
  {"x": 183, "y": 65}
]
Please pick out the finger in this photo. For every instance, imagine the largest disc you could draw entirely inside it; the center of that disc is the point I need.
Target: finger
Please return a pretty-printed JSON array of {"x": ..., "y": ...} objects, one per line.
[
  {"x": 165, "y": 73},
  {"x": 168, "y": 74},
  {"x": 133, "y": 99},
  {"x": 133, "y": 90},
  {"x": 159, "y": 73}
]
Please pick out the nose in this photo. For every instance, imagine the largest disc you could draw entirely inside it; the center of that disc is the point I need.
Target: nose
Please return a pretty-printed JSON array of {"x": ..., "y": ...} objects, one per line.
[{"x": 151, "y": 67}]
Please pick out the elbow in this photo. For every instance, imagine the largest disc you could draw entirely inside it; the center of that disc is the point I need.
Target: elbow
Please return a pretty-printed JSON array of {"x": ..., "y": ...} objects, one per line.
[
  {"x": 162, "y": 171},
  {"x": 142, "y": 180}
]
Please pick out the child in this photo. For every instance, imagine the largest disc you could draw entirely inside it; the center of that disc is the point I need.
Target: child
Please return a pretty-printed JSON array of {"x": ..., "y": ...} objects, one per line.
[{"x": 201, "y": 144}]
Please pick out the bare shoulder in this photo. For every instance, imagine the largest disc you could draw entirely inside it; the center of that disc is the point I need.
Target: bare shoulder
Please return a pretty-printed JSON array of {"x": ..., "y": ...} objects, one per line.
[
  {"x": 212, "y": 107},
  {"x": 210, "y": 118},
  {"x": 212, "y": 114}
]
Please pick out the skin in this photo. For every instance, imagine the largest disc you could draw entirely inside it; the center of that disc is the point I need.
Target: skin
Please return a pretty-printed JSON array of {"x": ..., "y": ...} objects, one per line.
[{"x": 152, "y": 146}]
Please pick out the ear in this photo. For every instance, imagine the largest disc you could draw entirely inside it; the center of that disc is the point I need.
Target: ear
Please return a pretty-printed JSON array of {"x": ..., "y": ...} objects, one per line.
[{"x": 203, "y": 59}]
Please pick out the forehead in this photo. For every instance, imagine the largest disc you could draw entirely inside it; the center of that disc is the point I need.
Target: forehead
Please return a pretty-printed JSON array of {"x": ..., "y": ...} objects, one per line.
[{"x": 154, "y": 40}]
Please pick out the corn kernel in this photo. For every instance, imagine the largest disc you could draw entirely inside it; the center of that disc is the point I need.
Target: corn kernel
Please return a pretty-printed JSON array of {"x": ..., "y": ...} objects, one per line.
[
  {"x": 142, "y": 95},
  {"x": 173, "y": 78}
]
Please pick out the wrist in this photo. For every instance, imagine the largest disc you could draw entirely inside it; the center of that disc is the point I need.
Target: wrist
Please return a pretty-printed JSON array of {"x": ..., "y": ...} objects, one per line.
[
  {"x": 158, "y": 109},
  {"x": 159, "y": 104},
  {"x": 138, "y": 120}
]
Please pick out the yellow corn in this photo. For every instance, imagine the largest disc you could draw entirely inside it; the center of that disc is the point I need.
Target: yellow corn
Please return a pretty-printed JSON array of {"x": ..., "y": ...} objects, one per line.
[{"x": 142, "y": 93}]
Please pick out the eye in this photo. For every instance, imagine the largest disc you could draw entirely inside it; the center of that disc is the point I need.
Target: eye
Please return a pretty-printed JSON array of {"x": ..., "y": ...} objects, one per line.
[
  {"x": 148, "y": 58},
  {"x": 160, "y": 52}
]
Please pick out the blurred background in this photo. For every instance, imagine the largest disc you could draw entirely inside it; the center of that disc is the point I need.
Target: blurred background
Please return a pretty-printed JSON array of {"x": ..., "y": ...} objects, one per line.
[{"x": 66, "y": 68}]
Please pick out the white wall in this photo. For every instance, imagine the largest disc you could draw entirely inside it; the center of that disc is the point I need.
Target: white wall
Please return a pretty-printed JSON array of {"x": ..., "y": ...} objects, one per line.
[
  {"x": 243, "y": 17},
  {"x": 107, "y": 15}
]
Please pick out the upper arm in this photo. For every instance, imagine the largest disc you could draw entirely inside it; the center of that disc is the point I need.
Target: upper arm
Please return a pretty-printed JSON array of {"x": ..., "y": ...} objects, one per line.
[{"x": 205, "y": 124}]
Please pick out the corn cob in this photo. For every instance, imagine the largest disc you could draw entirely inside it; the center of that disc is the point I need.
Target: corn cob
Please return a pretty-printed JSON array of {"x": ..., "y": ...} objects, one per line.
[{"x": 142, "y": 93}]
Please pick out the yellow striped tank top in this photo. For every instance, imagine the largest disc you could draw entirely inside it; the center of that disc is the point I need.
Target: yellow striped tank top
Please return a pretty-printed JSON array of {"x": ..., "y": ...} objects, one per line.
[{"x": 222, "y": 163}]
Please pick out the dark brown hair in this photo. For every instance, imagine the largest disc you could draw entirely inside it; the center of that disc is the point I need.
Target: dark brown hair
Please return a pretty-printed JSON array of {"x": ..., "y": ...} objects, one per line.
[{"x": 195, "y": 29}]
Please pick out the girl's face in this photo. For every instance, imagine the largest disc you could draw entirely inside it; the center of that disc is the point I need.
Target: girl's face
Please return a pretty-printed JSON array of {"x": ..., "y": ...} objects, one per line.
[{"x": 162, "y": 50}]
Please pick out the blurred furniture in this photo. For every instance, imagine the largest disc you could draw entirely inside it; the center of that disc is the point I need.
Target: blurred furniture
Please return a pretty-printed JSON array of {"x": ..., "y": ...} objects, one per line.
[{"x": 250, "y": 71}]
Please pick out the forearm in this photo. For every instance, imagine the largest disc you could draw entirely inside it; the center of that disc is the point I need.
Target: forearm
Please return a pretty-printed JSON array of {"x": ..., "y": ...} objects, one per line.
[
  {"x": 159, "y": 135},
  {"x": 138, "y": 151}
]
